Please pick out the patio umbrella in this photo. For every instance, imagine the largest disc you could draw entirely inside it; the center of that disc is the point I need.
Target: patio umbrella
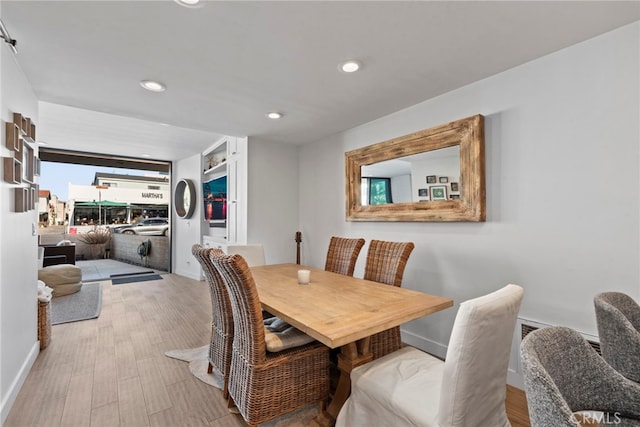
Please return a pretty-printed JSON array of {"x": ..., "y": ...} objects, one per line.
[{"x": 102, "y": 204}]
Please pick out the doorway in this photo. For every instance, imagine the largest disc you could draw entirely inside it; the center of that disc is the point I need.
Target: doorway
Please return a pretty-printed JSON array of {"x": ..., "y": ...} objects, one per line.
[{"x": 107, "y": 207}]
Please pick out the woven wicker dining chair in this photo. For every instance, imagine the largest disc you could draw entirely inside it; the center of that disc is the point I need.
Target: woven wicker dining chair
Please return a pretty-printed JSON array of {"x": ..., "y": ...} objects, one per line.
[
  {"x": 264, "y": 385},
  {"x": 342, "y": 255},
  {"x": 386, "y": 262},
  {"x": 222, "y": 316}
]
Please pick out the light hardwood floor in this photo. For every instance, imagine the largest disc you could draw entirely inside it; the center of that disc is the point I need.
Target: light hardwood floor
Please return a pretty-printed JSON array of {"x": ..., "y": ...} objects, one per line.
[{"x": 112, "y": 371}]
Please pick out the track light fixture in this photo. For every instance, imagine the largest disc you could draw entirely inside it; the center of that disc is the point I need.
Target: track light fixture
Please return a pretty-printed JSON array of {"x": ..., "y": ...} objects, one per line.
[{"x": 4, "y": 33}]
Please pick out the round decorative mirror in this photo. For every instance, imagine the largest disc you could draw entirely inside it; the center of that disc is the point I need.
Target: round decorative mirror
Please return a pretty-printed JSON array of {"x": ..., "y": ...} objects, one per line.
[{"x": 184, "y": 200}]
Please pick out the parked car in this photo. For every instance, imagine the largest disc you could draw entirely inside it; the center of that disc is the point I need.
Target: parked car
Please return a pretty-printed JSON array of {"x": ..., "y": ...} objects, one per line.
[{"x": 146, "y": 227}]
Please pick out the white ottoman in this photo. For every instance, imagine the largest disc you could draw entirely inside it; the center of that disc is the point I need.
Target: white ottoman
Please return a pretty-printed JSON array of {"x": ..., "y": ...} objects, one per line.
[{"x": 64, "y": 279}]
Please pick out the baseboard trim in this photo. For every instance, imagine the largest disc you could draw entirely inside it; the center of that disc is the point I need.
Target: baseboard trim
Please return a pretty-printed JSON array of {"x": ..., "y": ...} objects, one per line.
[
  {"x": 188, "y": 274},
  {"x": 515, "y": 379},
  {"x": 18, "y": 382},
  {"x": 437, "y": 349}
]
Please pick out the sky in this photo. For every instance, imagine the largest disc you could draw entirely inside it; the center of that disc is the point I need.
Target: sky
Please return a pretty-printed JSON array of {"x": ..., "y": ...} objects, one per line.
[{"x": 56, "y": 177}]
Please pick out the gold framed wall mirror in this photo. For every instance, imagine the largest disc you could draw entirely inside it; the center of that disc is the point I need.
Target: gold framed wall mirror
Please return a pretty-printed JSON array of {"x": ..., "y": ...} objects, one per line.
[{"x": 436, "y": 174}]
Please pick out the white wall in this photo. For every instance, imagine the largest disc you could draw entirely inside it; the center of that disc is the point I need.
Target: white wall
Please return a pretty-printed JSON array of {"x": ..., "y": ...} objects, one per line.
[
  {"x": 401, "y": 190},
  {"x": 18, "y": 251},
  {"x": 273, "y": 199},
  {"x": 562, "y": 156},
  {"x": 186, "y": 232}
]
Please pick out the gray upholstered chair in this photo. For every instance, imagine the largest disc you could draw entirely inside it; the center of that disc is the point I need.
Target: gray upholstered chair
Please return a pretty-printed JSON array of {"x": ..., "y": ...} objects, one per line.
[
  {"x": 563, "y": 375},
  {"x": 343, "y": 254},
  {"x": 411, "y": 388},
  {"x": 618, "y": 317}
]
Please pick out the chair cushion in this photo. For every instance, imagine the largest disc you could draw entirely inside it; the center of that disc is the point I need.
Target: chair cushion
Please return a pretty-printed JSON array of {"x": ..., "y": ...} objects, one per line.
[
  {"x": 279, "y": 335},
  {"x": 399, "y": 389},
  {"x": 275, "y": 324}
]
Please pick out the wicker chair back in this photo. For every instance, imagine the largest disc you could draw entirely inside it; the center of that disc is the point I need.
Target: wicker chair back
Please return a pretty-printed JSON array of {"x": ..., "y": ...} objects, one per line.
[
  {"x": 386, "y": 262},
  {"x": 342, "y": 255}
]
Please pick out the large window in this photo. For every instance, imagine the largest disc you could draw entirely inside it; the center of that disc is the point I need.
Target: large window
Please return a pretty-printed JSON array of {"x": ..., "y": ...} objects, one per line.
[{"x": 376, "y": 191}]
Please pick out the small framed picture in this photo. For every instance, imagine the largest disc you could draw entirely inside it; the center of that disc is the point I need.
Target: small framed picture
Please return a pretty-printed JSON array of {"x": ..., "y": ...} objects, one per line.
[
  {"x": 454, "y": 186},
  {"x": 423, "y": 192},
  {"x": 431, "y": 179},
  {"x": 438, "y": 192},
  {"x": 443, "y": 179},
  {"x": 455, "y": 197}
]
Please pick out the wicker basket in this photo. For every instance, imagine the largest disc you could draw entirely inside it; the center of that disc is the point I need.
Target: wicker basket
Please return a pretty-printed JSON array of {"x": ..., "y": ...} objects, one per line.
[{"x": 44, "y": 323}]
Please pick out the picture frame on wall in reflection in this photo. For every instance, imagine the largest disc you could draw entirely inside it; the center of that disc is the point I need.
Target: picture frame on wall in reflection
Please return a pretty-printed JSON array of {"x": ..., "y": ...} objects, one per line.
[
  {"x": 423, "y": 192},
  {"x": 431, "y": 179},
  {"x": 443, "y": 179},
  {"x": 438, "y": 192},
  {"x": 454, "y": 186}
]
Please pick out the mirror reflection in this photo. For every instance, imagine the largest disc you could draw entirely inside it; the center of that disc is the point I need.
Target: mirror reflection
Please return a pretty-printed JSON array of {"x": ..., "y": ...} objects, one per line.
[
  {"x": 422, "y": 177},
  {"x": 435, "y": 174}
]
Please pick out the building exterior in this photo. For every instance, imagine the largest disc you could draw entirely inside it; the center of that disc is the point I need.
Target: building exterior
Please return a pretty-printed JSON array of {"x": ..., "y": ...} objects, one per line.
[
  {"x": 51, "y": 211},
  {"x": 118, "y": 199}
]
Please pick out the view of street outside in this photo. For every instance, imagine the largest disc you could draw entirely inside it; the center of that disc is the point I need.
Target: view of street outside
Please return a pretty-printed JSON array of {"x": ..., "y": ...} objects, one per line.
[
  {"x": 82, "y": 195},
  {"x": 117, "y": 208}
]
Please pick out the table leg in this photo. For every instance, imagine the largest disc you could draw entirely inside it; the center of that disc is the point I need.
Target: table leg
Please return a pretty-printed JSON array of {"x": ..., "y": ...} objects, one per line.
[{"x": 351, "y": 355}]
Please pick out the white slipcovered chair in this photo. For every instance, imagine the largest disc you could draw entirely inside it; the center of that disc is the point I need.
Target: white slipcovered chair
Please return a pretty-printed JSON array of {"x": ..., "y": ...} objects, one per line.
[
  {"x": 411, "y": 388},
  {"x": 253, "y": 253}
]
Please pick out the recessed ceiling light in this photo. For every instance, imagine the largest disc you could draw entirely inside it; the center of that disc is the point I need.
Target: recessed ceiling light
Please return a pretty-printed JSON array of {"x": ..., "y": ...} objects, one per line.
[
  {"x": 146, "y": 155},
  {"x": 153, "y": 86},
  {"x": 350, "y": 66},
  {"x": 274, "y": 115},
  {"x": 189, "y": 3}
]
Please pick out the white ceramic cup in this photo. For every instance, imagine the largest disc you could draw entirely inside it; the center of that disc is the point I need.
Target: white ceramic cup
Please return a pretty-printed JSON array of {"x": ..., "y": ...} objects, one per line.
[{"x": 304, "y": 277}]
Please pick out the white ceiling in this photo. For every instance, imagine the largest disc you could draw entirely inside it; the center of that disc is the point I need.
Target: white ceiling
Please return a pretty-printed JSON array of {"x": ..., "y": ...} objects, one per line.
[{"x": 226, "y": 64}]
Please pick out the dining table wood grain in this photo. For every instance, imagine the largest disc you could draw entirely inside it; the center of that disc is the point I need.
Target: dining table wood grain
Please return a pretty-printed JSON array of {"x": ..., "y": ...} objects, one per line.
[{"x": 341, "y": 312}]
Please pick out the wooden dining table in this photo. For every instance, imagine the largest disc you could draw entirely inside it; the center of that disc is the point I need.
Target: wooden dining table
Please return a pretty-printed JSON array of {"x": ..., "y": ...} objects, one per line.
[{"x": 340, "y": 311}]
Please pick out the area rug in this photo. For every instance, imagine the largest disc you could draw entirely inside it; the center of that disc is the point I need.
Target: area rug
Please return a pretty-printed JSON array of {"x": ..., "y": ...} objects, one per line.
[
  {"x": 135, "y": 278},
  {"x": 82, "y": 305},
  {"x": 198, "y": 364},
  {"x": 132, "y": 274}
]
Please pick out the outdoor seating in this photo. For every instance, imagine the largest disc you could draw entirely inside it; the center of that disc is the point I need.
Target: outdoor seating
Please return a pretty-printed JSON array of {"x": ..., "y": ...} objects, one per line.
[
  {"x": 64, "y": 279},
  {"x": 59, "y": 254}
]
